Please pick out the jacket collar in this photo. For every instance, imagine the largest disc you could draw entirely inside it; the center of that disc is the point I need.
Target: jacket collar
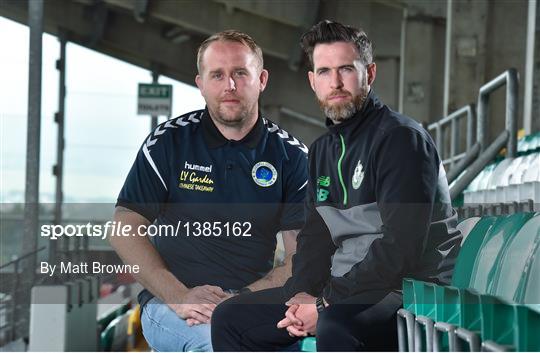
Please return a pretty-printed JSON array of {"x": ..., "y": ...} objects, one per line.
[
  {"x": 371, "y": 104},
  {"x": 214, "y": 138}
]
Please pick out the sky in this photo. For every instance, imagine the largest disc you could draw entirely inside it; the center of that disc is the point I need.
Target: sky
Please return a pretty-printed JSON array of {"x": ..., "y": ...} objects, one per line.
[{"x": 102, "y": 129}]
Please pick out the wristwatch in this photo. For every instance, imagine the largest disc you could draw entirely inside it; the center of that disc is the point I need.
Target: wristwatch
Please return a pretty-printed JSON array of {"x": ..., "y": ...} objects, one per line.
[
  {"x": 319, "y": 303},
  {"x": 244, "y": 290}
]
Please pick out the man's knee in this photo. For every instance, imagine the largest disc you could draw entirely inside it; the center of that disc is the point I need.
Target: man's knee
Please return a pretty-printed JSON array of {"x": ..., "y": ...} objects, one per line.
[
  {"x": 221, "y": 314},
  {"x": 341, "y": 328},
  {"x": 330, "y": 325},
  {"x": 165, "y": 331},
  {"x": 228, "y": 311}
]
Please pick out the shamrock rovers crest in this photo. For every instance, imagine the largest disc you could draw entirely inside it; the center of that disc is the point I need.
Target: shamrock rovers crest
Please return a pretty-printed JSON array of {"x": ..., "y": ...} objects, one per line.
[{"x": 358, "y": 175}]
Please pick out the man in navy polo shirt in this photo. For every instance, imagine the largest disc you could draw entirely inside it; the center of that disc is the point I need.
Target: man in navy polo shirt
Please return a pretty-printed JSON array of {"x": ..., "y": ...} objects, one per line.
[{"x": 211, "y": 189}]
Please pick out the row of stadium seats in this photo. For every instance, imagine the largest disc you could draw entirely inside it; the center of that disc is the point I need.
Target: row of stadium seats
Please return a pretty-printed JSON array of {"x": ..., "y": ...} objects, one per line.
[
  {"x": 111, "y": 336},
  {"x": 511, "y": 179},
  {"x": 493, "y": 301},
  {"x": 528, "y": 144},
  {"x": 496, "y": 209},
  {"x": 507, "y": 180},
  {"x": 66, "y": 308},
  {"x": 123, "y": 331}
]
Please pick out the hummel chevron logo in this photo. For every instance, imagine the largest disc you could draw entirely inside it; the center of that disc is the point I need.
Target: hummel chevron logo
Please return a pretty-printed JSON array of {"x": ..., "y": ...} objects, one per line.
[
  {"x": 169, "y": 124},
  {"x": 181, "y": 122},
  {"x": 193, "y": 119},
  {"x": 300, "y": 145},
  {"x": 150, "y": 142},
  {"x": 271, "y": 127},
  {"x": 160, "y": 129},
  {"x": 283, "y": 134},
  {"x": 291, "y": 140},
  {"x": 158, "y": 132}
]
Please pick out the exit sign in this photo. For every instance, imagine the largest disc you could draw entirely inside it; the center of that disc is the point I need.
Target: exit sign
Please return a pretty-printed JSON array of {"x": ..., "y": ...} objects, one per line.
[{"x": 154, "y": 99}]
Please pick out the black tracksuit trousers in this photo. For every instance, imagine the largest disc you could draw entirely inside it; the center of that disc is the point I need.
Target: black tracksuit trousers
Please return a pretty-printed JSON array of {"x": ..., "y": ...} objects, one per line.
[{"x": 363, "y": 322}]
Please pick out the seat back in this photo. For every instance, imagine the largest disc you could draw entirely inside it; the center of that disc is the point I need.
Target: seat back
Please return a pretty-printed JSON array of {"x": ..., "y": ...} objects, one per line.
[
  {"x": 499, "y": 323},
  {"x": 531, "y": 284},
  {"x": 492, "y": 250},
  {"x": 469, "y": 250},
  {"x": 529, "y": 324},
  {"x": 408, "y": 295},
  {"x": 517, "y": 256},
  {"x": 466, "y": 226}
]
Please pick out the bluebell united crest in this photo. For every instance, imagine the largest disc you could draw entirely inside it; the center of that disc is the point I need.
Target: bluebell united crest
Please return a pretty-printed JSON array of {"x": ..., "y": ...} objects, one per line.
[{"x": 264, "y": 174}]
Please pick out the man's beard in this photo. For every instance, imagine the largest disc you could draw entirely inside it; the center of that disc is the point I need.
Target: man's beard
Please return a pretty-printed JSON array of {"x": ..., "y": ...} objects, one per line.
[
  {"x": 343, "y": 111},
  {"x": 237, "y": 120}
]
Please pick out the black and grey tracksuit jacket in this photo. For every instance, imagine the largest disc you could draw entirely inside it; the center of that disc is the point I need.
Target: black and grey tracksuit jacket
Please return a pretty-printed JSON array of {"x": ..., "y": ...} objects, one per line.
[{"x": 378, "y": 209}]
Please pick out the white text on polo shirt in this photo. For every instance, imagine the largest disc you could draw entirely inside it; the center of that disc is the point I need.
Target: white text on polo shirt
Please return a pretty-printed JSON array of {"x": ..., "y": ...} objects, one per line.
[{"x": 200, "y": 168}]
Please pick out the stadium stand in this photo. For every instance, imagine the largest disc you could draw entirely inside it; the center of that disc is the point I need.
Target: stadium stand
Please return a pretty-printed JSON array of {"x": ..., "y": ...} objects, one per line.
[{"x": 492, "y": 302}]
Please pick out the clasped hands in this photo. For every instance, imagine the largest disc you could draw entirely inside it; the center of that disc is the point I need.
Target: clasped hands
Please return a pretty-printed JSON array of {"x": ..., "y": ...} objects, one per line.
[
  {"x": 301, "y": 316},
  {"x": 198, "y": 303}
]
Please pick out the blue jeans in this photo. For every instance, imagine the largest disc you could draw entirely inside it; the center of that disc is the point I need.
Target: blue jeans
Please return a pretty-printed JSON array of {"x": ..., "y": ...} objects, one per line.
[{"x": 165, "y": 331}]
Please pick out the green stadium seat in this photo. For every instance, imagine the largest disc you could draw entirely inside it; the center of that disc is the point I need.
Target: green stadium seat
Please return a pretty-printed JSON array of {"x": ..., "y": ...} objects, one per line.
[
  {"x": 424, "y": 295},
  {"x": 483, "y": 276},
  {"x": 529, "y": 189},
  {"x": 469, "y": 250},
  {"x": 531, "y": 284},
  {"x": 512, "y": 267},
  {"x": 105, "y": 319},
  {"x": 413, "y": 290},
  {"x": 114, "y": 337},
  {"x": 499, "y": 324},
  {"x": 492, "y": 250},
  {"x": 466, "y": 226},
  {"x": 405, "y": 317},
  {"x": 448, "y": 317},
  {"x": 528, "y": 313},
  {"x": 308, "y": 344},
  {"x": 476, "y": 191},
  {"x": 528, "y": 143},
  {"x": 496, "y": 252},
  {"x": 528, "y": 319}
]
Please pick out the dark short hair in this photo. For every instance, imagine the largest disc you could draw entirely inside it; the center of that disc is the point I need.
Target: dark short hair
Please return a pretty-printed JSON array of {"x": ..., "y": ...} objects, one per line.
[
  {"x": 230, "y": 35},
  {"x": 330, "y": 32}
]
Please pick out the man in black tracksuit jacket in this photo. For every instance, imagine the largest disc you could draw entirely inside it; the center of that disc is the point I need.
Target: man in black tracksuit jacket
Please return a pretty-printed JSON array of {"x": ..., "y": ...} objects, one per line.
[{"x": 378, "y": 210}]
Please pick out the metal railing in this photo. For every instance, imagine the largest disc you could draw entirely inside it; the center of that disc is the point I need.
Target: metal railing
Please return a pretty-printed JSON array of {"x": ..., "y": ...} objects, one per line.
[
  {"x": 508, "y": 137},
  {"x": 14, "y": 312},
  {"x": 510, "y": 79},
  {"x": 16, "y": 282},
  {"x": 453, "y": 119}
]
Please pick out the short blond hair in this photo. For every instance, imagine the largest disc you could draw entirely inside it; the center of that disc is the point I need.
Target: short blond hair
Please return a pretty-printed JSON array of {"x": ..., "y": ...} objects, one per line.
[{"x": 230, "y": 35}]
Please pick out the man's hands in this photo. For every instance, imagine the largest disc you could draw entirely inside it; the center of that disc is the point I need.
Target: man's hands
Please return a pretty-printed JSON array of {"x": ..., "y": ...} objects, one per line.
[
  {"x": 198, "y": 303},
  {"x": 301, "y": 317}
]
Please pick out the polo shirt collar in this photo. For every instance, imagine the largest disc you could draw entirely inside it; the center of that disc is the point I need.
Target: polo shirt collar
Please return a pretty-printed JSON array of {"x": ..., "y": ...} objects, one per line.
[{"x": 215, "y": 139}]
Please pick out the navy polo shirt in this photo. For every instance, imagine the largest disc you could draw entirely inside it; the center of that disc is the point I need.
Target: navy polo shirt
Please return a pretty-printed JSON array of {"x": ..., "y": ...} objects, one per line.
[{"x": 225, "y": 200}]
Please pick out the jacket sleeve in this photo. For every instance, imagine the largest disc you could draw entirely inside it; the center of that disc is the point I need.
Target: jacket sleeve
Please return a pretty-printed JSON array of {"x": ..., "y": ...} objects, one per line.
[
  {"x": 314, "y": 248},
  {"x": 406, "y": 168}
]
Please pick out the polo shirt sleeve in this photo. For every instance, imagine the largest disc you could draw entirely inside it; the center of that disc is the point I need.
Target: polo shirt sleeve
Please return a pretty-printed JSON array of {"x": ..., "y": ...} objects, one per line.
[
  {"x": 295, "y": 187},
  {"x": 145, "y": 189}
]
